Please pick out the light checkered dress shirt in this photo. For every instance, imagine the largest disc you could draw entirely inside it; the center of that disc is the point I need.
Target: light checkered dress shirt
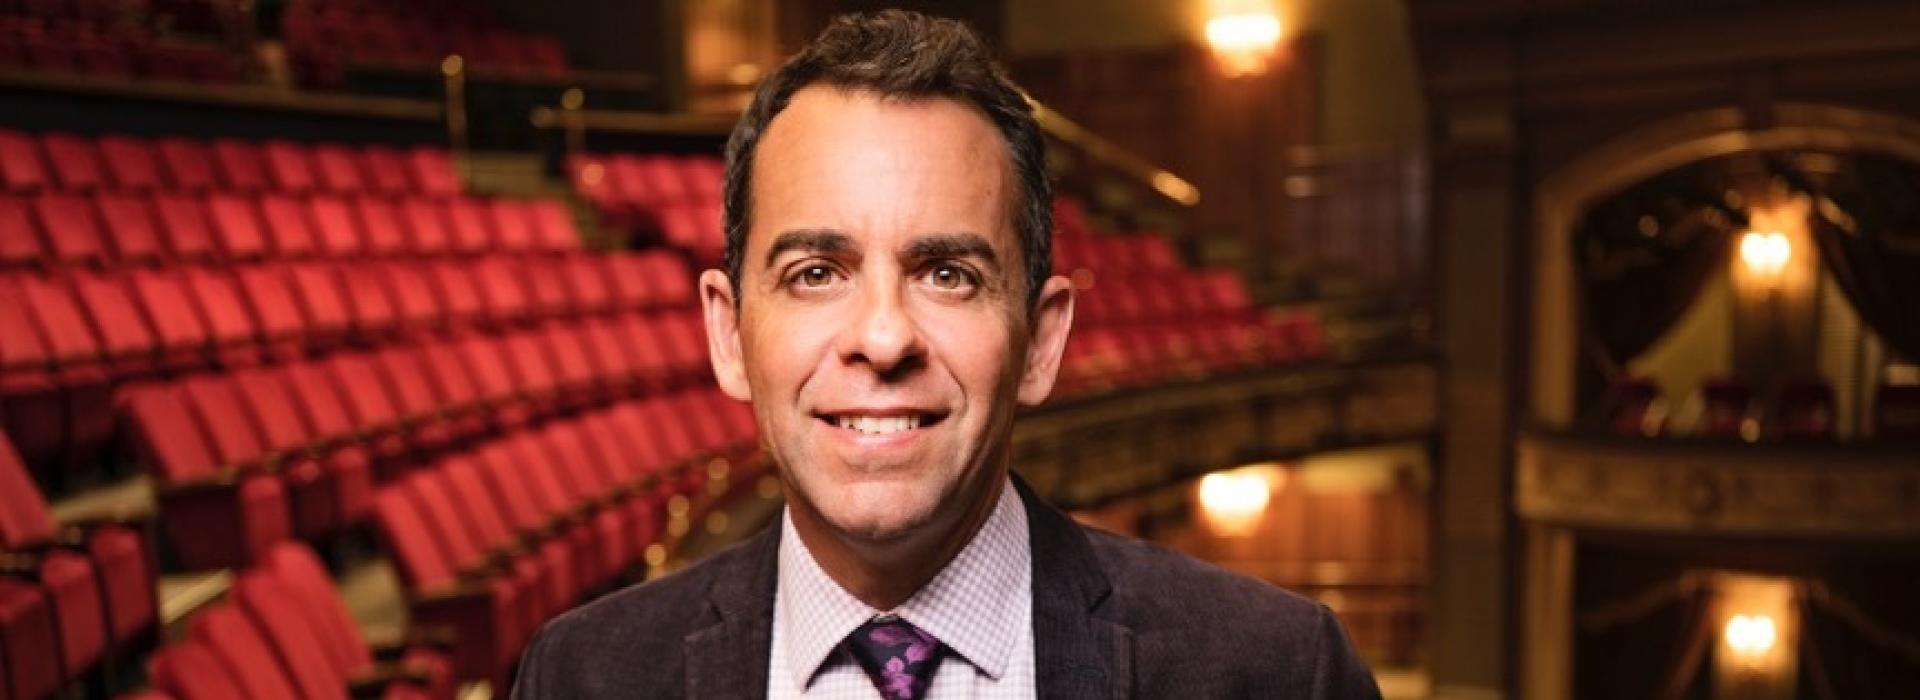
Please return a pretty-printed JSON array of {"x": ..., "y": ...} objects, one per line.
[{"x": 980, "y": 607}]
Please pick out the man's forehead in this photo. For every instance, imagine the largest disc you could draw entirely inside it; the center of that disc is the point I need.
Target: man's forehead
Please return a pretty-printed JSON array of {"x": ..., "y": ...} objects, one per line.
[{"x": 857, "y": 162}]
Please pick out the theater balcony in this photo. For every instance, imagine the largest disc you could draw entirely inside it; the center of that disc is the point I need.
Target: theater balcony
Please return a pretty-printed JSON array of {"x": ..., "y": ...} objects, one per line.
[{"x": 1693, "y": 401}]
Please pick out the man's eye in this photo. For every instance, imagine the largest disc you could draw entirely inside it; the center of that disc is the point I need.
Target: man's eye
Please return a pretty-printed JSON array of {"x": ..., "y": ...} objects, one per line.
[
  {"x": 816, "y": 276},
  {"x": 950, "y": 277}
]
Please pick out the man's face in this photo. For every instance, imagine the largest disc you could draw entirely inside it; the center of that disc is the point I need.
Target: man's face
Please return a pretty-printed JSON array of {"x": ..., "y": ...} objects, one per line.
[{"x": 882, "y": 330}]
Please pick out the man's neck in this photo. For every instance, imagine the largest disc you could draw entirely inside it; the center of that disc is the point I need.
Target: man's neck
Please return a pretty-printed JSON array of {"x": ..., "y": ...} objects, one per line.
[{"x": 885, "y": 575}]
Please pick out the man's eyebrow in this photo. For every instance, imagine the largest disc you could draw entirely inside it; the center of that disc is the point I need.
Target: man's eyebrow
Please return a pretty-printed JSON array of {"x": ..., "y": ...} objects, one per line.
[
  {"x": 813, "y": 240},
  {"x": 949, "y": 246}
]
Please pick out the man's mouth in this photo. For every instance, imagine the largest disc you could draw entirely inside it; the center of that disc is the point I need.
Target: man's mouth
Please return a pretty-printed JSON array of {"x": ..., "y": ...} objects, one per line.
[{"x": 889, "y": 423}]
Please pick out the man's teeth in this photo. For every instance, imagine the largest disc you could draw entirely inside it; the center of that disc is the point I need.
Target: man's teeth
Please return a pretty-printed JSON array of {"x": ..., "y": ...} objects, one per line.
[{"x": 879, "y": 425}]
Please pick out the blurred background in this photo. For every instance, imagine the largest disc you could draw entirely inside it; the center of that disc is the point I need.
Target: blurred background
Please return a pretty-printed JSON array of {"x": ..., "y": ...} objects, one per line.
[{"x": 1564, "y": 348}]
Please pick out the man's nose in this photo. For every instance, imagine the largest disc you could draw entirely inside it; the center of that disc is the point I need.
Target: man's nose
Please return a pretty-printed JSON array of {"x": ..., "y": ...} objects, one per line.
[{"x": 884, "y": 334}]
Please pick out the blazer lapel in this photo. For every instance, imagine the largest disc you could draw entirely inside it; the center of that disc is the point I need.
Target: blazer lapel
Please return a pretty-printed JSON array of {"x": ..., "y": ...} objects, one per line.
[
  {"x": 1076, "y": 653},
  {"x": 728, "y": 659}
]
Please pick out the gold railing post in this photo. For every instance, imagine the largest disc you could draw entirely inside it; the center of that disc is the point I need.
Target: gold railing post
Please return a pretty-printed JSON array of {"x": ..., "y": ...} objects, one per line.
[
  {"x": 573, "y": 119},
  {"x": 454, "y": 69}
]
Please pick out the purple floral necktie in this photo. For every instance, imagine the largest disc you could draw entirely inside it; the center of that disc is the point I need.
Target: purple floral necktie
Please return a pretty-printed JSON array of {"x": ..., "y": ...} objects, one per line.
[{"x": 898, "y": 657}]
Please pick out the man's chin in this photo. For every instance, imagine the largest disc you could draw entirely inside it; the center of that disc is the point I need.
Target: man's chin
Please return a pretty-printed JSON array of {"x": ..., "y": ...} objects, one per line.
[{"x": 880, "y": 516}]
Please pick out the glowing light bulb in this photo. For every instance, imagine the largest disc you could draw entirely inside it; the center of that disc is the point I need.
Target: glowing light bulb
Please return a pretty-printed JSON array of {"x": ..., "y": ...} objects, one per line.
[
  {"x": 1765, "y": 253},
  {"x": 1244, "y": 42},
  {"x": 1750, "y": 636},
  {"x": 1234, "y": 500}
]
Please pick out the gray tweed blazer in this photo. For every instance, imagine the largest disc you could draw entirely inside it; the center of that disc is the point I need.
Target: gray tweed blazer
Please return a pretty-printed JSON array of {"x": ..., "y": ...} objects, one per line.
[{"x": 1112, "y": 618}]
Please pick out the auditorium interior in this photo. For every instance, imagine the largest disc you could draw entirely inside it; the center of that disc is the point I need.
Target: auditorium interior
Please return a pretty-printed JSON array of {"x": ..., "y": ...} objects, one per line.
[{"x": 1564, "y": 349}]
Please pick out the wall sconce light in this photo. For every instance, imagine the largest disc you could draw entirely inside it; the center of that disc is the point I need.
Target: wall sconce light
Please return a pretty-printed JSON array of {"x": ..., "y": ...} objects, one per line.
[
  {"x": 1244, "y": 42},
  {"x": 1765, "y": 253},
  {"x": 1233, "y": 501},
  {"x": 1757, "y": 658},
  {"x": 1750, "y": 636}
]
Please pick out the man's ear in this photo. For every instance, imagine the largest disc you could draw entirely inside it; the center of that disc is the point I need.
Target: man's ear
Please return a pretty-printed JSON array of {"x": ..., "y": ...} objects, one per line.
[
  {"x": 723, "y": 334},
  {"x": 1052, "y": 319}
]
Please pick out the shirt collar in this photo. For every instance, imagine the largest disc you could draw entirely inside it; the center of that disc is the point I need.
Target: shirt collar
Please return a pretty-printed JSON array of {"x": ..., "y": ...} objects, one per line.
[{"x": 978, "y": 606}]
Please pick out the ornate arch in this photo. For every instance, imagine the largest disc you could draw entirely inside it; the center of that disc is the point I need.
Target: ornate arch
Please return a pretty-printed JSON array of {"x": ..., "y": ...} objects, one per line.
[{"x": 1566, "y": 193}]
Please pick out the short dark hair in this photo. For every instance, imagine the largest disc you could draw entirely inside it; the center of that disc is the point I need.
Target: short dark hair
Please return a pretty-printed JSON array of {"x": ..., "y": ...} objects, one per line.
[{"x": 902, "y": 54}]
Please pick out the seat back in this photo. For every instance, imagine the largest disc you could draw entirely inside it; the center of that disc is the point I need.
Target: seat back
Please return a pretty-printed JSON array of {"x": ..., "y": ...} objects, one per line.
[
  {"x": 244, "y": 652},
  {"x": 267, "y": 602},
  {"x": 25, "y": 520},
  {"x": 188, "y": 670},
  {"x": 307, "y": 578}
]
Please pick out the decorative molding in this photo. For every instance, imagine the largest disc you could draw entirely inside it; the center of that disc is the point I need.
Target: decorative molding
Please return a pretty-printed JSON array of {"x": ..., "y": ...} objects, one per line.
[{"x": 1832, "y": 491}]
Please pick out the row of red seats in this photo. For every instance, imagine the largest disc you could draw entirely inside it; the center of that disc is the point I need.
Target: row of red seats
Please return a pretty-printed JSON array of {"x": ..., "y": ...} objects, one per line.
[
  {"x": 493, "y": 541},
  {"x": 284, "y": 632},
  {"x": 1728, "y": 409},
  {"x": 1172, "y": 294},
  {"x": 1100, "y": 359},
  {"x": 70, "y": 596},
  {"x": 75, "y": 163},
  {"x": 627, "y": 184},
  {"x": 63, "y": 229},
  {"x": 324, "y": 40},
  {"x": 676, "y": 199},
  {"x": 108, "y": 49},
  {"x": 67, "y": 339},
  {"x": 247, "y": 458},
  {"x": 98, "y": 12},
  {"x": 1112, "y": 253}
]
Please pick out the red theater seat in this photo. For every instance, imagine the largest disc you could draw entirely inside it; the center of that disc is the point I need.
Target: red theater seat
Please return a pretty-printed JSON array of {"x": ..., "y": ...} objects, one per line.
[
  {"x": 380, "y": 226},
  {"x": 347, "y": 458},
  {"x": 183, "y": 223},
  {"x": 236, "y": 225},
  {"x": 132, "y": 162},
  {"x": 288, "y": 166},
  {"x": 190, "y": 671},
  {"x": 486, "y": 614},
  {"x": 287, "y": 228},
  {"x": 72, "y": 231},
  {"x": 512, "y": 226},
  {"x": 274, "y": 309},
  {"x": 1725, "y": 408},
  {"x": 469, "y": 225},
  {"x": 317, "y": 289},
  {"x": 21, "y": 167},
  {"x": 386, "y": 171},
  {"x": 306, "y": 581},
  {"x": 337, "y": 169},
  {"x": 117, "y": 552},
  {"x": 425, "y": 223},
  {"x": 457, "y": 293},
  {"x": 130, "y": 227},
  {"x": 180, "y": 335},
  {"x": 19, "y": 235},
  {"x": 215, "y": 518},
  {"x": 244, "y": 653},
  {"x": 240, "y": 165},
  {"x": 74, "y": 160},
  {"x": 215, "y": 297},
  {"x": 432, "y": 170},
  {"x": 29, "y": 641},
  {"x": 336, "y": 234},
  {"x": 553, "y": 227},
  {"x": 369, "y": 304},
  {"x": 188, "y": 164}
]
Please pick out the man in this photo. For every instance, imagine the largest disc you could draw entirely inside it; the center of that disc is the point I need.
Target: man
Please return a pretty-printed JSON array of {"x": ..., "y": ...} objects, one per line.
[{"x": 887, "y": 306}]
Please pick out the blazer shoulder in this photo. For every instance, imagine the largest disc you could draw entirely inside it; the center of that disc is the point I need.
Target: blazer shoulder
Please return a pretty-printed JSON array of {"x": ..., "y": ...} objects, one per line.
[
  {"x": 1265, "y": 640},
  {"x": 1149, "y": 576}
]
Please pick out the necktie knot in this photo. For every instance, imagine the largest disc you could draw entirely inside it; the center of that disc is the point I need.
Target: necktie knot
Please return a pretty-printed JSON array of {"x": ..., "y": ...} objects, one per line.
[{"x": 898, "y": 657}]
